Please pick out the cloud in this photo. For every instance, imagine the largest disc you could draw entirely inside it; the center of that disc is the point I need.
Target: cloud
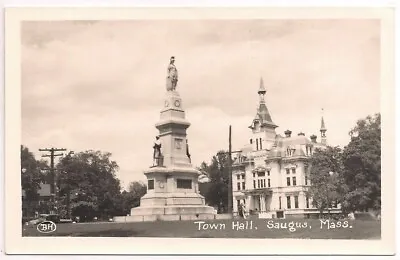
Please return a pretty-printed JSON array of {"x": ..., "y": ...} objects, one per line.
[{"x": 100, "y": 85}]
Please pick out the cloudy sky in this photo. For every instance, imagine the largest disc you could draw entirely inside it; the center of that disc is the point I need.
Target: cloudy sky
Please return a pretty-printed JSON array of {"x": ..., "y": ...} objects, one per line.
[{"x": 100, "y": 85}]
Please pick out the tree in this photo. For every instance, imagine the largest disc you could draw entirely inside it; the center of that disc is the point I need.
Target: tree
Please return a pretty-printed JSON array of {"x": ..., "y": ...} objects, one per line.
[
  {"x": 30, "y": 174},
  {"x": 218, "y": 173},
  {"x": 30, "y": 181},
  {"x": 326, "y": 173},
  {"x": 131, "y": 198},
  {"x": 362, "y": 165},
  {"x": 89, "y": 178}
]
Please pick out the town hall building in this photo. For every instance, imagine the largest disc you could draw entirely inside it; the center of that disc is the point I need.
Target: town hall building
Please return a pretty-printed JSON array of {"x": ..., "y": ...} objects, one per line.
[{"x": 271, "y": 173}]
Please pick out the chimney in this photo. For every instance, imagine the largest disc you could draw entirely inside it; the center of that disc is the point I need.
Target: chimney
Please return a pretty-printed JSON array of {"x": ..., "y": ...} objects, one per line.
[
  {"x": 288, "y": 133},
  {"x": 313, "y": 138},
  {"x": 301, "y": 134}
]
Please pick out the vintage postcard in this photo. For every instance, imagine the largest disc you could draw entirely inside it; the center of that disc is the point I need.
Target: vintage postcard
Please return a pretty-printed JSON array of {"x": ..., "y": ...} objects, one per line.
[{"x": 200, "y": 130}]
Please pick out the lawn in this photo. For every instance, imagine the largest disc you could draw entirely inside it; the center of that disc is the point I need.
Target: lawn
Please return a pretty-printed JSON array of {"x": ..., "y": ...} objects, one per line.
[{"x": 259, "y": 228}]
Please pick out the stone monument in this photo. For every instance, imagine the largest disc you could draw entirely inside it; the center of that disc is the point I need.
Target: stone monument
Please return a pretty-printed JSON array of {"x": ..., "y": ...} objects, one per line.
[{"x": 172, "y": 181}]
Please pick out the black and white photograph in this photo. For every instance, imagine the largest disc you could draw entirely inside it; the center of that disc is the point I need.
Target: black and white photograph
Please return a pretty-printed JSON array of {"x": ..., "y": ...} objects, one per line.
[{"x": 248, "y": 126}]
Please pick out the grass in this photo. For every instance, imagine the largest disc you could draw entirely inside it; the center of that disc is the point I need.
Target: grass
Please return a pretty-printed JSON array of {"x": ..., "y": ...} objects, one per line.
[{"x": 361, "y": 229}]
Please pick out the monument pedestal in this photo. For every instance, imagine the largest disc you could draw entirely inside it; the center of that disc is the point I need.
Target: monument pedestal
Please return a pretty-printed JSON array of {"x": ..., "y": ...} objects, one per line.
[{"x": 172, "y": 185}]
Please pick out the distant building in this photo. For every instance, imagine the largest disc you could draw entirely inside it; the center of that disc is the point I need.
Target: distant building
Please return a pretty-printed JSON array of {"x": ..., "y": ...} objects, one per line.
[
  {"x": 271, "y": 173},
  {"x": 29, "y": 207}
]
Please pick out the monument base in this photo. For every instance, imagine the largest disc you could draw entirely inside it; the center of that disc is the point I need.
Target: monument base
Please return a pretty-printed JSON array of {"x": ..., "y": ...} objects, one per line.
[{"x": 168, "y": 213}]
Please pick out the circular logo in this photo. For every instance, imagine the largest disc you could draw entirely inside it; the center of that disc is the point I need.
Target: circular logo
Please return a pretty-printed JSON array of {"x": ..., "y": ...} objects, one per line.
[
  {"x": 46, "y": 227},
  {"x": 177, "y": 103}
]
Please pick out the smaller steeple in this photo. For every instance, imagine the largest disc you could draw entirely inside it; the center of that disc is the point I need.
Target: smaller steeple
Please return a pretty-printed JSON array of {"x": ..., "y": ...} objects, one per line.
[{"x": 323, "y": 129}]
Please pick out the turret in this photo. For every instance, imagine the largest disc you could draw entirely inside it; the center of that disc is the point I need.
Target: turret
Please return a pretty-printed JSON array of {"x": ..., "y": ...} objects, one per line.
[{"x": 263, "y": 127}]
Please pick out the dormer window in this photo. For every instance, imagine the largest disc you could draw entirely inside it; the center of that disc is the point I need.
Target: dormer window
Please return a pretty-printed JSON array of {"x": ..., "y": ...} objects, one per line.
[
  {"x": 290, "y": 151},
  {"x": 308, "y": 150}
]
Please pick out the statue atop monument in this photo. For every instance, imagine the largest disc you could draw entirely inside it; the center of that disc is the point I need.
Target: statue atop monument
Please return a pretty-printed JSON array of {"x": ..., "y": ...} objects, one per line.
[{"x": 172, "y": 78}]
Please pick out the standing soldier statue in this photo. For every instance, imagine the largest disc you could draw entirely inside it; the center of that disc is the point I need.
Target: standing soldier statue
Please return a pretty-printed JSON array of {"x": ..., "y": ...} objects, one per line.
[
  {"x": 157, "y": 156},
  {"x": 172, "y": 78}
]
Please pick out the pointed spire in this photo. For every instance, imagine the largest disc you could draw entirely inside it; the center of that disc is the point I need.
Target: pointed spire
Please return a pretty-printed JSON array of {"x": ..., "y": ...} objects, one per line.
[
  {"x": 323, "y": 128},
  {"x": 262, "y": 114},
  {"x": 323, "y": 124},
  {"x": 261, "y": 90}
]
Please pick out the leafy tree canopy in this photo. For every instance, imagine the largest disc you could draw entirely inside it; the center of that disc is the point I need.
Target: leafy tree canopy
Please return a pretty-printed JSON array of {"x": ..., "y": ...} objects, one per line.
[
  {"x": 91, "y": 177},
  {"x": 362, "y": 163},
  {"x": 218, "y": 173},
  {"x": 326, "y": 177}
]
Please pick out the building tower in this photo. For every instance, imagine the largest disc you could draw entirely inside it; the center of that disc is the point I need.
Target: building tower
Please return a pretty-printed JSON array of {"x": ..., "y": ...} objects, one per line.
[
  {"x": 263, "y": 128},
  {"x": 323, "y": 130}
]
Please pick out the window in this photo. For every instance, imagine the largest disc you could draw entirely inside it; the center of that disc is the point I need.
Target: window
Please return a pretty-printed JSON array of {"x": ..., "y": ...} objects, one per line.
[
  {"x": 258, "y": 182},
  {"x": 254, "y": 184},
  {"x": 184, "y": 184},
  {"x": 238, "y": 186},
  {"x": 150, "y": 184},
  {"x": 296, "y": 202},
  {"x": 243, "y": 185},
  {"x": 294, "y": 181},
  {"x": 294, "y": 170},
  {"x": 257, "y": 144},
  {"x": 251, "y": 141},
  {"x": 288, "y": 181},
  {"x": 238, "y": 177},
  {"x": 260, "y": 144},
  {"x": 264, "y": 183},
  {"x": 269, "y": 183},
  {"x": 268, "y": 172},
  {"x": 288, "y": 202},
  {"x": 261, "y": 174},
  {"x": 305, "y": 179},
  {"x": 242, "y": 176},
  {"x": 287, "y": 171},
  {"x": 307, "y": 202},
  {"x": 254, "y": 174},
  {"x": 280, "y": 202}
]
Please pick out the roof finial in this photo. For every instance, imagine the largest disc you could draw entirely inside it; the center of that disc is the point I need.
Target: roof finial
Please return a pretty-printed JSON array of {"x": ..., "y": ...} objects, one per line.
[{"x": 261, "y": 90}]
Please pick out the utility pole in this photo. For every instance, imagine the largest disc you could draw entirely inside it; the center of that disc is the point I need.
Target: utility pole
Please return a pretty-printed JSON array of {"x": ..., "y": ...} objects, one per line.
[
  {"x": 52, "y": 155},
  {"x": 230, "y": 190},
  {"x": 230, "y": 172},
  {"x": 68, "y": 157}
]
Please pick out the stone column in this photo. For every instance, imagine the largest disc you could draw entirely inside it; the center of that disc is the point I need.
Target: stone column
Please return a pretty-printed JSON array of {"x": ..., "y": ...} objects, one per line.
[
  {"x": 302, "y": 199},
  {"x": 235, "y": 206},
  {"x": 248, "y": 198},
  {"x": 263, "y": 201}
]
